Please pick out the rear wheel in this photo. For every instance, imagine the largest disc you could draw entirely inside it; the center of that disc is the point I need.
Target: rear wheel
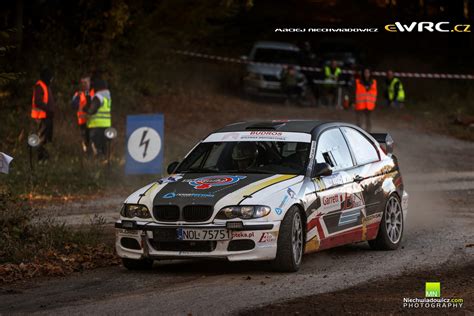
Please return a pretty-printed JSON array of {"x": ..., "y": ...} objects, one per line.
[
  {"x": 141, "y": 264},
  {"x": 290, "y": 242},
  {"x": 391, "y": 227}
]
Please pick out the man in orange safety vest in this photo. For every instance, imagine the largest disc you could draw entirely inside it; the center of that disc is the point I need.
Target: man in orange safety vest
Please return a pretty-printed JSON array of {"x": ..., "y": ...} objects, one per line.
[
  {"x": 79, "y": 102},
  {"x": 42, "y": 111},
  {"x": 365, "y": 98}
]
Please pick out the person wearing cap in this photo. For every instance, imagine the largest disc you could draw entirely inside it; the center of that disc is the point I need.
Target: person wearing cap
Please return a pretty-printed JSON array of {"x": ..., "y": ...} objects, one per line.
[
  {"x": 395, "y": 92},
  {"x": 99, "y": 116},
  {"x": 80, "y": 100},
  {"x": 42, "y": 111},
  {"x": 245, "y": 154}
]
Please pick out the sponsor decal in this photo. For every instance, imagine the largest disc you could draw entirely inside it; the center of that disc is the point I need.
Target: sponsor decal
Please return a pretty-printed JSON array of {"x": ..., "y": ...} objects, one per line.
[
  {"x": 349, "y": 217},
  {"x": 243, "y": 234},
  {"x": 291, "y": 193},
  {"x": 259, "y": 136},
  {"x": 432, "y": 299},
  {"x": 279, "y": 209},
  {"x": 266, "y": 133},
  {"x": 331, "y": 202},
  {"x": 267, "y": 238},
  {"x": 333, "y": 180},
  {"x": 213, "y": 181},
  {"x": 173, "y": 195},
  {"x": 428, "y": 27},
  {"x": 353, "y": 200},
  {"x": 170, "y": 179}
]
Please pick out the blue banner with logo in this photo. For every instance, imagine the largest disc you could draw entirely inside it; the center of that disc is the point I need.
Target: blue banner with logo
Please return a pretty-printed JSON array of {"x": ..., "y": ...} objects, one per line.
[{"x": 144, "y": 144}]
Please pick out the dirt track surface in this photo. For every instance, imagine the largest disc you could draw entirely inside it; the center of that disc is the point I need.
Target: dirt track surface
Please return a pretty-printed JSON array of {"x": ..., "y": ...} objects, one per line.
[{"x": 439, "y": 175}]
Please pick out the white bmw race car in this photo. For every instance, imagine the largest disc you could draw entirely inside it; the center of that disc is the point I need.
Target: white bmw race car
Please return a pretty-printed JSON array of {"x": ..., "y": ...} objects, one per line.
[{"x": 268, "y": 191}]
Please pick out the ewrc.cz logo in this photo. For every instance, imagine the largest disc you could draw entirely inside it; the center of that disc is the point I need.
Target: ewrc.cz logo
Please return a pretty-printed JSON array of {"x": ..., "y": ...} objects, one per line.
[
  {"x": 213, "y": 181},
  {"x": 428, "y": 26}
]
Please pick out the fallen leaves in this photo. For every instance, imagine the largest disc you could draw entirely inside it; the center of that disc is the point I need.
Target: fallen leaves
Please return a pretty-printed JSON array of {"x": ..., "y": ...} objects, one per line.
[{"x": 54, "y": 263}]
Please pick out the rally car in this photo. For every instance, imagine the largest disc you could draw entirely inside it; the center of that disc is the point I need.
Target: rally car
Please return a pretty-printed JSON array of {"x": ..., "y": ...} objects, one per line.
[{"x": 271, "y": 191}]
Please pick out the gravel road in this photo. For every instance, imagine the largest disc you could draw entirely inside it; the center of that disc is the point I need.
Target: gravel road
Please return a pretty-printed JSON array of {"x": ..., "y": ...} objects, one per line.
[{"x": 438, "y": 172}]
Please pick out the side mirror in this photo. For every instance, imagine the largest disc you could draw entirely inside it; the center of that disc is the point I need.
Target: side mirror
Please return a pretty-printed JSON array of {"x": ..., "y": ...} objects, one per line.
[
  {"x": 172, "y": 167},
  {"x": 321, "y": 170}
]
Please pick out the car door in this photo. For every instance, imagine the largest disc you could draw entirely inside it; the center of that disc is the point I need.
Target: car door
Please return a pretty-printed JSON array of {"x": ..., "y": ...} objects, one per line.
[
  {"x": 333, "y": 191},
  {"x": 368, "y": 173}
]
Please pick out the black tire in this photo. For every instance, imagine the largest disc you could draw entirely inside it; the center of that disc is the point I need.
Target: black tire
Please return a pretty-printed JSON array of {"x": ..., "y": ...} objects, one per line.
[
  {"x": 285, "y": 260},
  {"x": 384, "y": 239},
  {"x": 142, "y": 264}
]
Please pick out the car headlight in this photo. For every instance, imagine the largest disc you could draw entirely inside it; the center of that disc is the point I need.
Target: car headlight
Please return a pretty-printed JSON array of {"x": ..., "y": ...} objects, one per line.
[
  {"x": 135, "y": 210},
  {"x": 243, "y": 212}
]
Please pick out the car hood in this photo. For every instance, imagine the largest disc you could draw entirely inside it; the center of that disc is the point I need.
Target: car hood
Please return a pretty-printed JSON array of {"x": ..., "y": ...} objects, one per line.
[
  {"x": 262, "y": 69},
  {"x": 207, "y": 189}
]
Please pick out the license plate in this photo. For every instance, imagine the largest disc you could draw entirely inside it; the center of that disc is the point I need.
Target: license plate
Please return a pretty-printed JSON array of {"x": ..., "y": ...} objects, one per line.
[{"x": 203, "y": 234}]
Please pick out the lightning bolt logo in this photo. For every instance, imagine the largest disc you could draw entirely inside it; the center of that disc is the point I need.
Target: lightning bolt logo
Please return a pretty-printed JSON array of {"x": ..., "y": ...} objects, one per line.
[{"x": 144, "y": 142}]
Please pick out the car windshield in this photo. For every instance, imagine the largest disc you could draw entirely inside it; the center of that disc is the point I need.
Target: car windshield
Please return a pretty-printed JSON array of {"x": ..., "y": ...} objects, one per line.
[
  {"x": 276, "y": 56},
  {"x": 270, "y": 157}
]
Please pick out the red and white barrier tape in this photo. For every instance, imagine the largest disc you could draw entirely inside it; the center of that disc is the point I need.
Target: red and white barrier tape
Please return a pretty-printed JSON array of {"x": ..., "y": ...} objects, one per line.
[{"x": 318, "y": 69}]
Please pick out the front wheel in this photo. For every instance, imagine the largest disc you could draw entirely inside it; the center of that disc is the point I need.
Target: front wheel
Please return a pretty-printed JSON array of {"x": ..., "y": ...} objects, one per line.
[
  {"x": 391, "y": 227},
  {"x": 290, "y": 242},
  {"x": 141, "y": 264}
]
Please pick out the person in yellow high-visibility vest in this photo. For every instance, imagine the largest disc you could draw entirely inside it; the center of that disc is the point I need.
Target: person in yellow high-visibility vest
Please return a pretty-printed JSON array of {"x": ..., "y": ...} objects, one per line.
[
  {"x": 99, "y": 116},
  {"x": 332, "y": 73},
  {"x": 395, "y": 91}
]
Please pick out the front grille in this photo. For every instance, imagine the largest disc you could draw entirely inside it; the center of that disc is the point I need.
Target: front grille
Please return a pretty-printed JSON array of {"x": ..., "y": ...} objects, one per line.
[
  {"x": 166, "y": 213},
  {"x": 241, "y": 244},
  {"x": 197, "y": 213},
  {"x": 196, "y": 246}
]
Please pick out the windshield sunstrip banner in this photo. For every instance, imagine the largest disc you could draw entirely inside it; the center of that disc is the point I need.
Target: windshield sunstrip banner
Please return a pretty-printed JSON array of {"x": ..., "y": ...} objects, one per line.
[{"x": 252, "y": 136}]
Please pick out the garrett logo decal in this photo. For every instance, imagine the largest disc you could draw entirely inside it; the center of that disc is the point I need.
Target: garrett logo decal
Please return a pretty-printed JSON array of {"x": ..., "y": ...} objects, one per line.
[
  {"x": 214, "y": 181},
  {"x": 327, "y": 200},
  {"x": 331, "y": 202}
]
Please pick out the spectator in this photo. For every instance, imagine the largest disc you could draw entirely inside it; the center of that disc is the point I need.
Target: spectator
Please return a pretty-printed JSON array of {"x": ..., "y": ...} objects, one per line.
[
  {"x": 289, "y": 82},
  {"x": 79, "y": 102},
  {"x": 332, "y": 74},
  {"x": 365, "y": 98},
  {"x": 42, "y": 111},
  {"x": 395, "y": 93},
  {"x": 100, "y": 117}
]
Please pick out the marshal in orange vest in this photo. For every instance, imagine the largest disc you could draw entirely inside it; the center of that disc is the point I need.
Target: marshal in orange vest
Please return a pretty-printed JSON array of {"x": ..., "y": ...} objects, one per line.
[
  {"x": 36, "y": 112},
  {"x": 365, "y": 99},
  {"x": 81, "y": 114}
]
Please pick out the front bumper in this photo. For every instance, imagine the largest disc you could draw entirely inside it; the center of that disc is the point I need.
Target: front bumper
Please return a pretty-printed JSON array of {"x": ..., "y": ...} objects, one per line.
[{"x": 135, "y": 240}]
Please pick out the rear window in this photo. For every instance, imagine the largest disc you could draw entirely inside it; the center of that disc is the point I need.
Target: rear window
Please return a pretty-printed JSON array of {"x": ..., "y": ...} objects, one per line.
[{"x": 364, "y": 151}]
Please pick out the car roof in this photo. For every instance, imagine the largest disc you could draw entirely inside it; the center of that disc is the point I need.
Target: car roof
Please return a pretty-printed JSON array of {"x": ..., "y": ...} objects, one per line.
[
  {"x": 276, "y": 45},
  {"x": 299, "y": 126}
]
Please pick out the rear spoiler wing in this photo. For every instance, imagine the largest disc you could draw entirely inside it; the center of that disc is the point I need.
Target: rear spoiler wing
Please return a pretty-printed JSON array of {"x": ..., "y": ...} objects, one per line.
[{"x": 385, "y": 141}]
